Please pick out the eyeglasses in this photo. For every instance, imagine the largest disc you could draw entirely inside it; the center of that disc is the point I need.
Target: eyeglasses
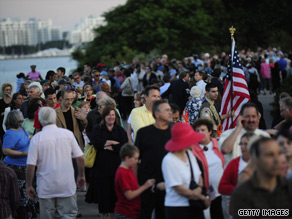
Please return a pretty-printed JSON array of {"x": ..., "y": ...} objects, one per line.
[{"x": 96, "y": 75}]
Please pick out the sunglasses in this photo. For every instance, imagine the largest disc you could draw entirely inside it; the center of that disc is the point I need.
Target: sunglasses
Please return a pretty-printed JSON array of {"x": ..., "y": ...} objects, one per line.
[{"x": 96, "y": 75}]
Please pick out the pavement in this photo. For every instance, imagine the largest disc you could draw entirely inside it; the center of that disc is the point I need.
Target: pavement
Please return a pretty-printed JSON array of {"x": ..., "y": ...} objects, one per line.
[
  {"x": 266, "y": 101},
  {"x": 86, "y": 210},
  {"x": 90, "y": 211}
]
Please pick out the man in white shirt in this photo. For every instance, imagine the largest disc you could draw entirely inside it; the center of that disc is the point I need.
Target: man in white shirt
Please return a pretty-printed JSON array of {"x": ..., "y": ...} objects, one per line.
[
  {"x": 199, "y": 75},
  {"x": 247, "y": 121},
  {"x": 52, "y": 150}
]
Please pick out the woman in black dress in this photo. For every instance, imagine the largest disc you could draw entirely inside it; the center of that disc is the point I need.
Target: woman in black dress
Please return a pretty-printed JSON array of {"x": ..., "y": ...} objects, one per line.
[{"x": 107, "y": 138}]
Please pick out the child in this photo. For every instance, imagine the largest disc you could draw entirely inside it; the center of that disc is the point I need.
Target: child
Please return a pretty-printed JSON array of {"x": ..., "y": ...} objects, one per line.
[{"x": 126, "y": 184}]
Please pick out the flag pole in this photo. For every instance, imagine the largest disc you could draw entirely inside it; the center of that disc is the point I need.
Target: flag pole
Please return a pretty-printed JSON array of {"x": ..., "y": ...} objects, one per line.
[{"x": 232, "y": 31}]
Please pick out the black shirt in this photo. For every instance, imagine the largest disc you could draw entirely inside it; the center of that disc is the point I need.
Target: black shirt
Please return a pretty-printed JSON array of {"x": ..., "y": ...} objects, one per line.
[
  {"x": 250, "y": 196},
  {"x": 93, "y": 118},
  {"x": 107, "y": 161},
  {"x": 69, "y": 120},
  {"x": 150, "y": 141}
]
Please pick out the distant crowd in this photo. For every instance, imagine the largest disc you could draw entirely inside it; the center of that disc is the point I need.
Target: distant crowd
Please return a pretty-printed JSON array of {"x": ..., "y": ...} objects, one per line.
[{"x": 152, "y": 132}]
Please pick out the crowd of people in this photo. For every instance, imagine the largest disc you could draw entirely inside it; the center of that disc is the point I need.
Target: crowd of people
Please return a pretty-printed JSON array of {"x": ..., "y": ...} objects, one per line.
[{"x": 154, "y": 129}]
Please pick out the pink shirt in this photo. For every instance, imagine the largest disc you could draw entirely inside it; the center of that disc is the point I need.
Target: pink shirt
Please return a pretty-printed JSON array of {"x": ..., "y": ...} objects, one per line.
[
  {"x": 34, "y": 75},
  {"x": 265, "y": 70}
]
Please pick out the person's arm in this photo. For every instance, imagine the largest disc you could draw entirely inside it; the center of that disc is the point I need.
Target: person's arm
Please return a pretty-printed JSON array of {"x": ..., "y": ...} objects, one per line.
[
  {"x": 81, "y": 174},
  {"x": 228, "y": 144},
  {"x": 40, "y": 76},
  {"x": 37, "y": 125},
  {"x": 125, "y": 83},
  {"x": 82, "y": 119},
  {"x": 13, "y": 153},
  {"x": 133, "y": 194},
  {"x": 129, "y": 132},
  {"x": 30, "y": 169},
  {"x": 136, "y": 120},
  {"x": 4, "y": 119},
  {"x": 227, "y": 184},
  {"x": 167, "y": 92},
  {"x": 122, "y": 139},
  {"x": 229, "y": 114}
]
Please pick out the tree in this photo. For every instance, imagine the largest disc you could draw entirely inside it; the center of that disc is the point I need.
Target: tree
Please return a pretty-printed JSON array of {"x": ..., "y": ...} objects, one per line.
[{"x": 180, "y": 28}]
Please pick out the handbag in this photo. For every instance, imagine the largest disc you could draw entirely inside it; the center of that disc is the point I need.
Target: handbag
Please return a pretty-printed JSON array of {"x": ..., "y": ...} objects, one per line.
[
  {"x": 89, "y": 155},
  {"x": 199, "y": 204},
  {"x": 128, "y": 90}
]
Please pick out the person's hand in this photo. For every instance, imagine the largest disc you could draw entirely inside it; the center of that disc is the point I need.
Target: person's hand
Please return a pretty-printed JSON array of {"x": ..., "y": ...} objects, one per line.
[
  {"x": 149, "y": 183},
  {"x": 230, "y": 113},
  {"x": 80, "y": 182},
  {"x": 109, "y": 147},
  {"x": 161, "y": 186},
  {"x": 239, "y": 122},
  {"x": 30, "y": 192},
  {"x": 24, "y": 153},
  {"x": 111, "y": 142},
  {"x": 79, "y": 115},
  {"x": 196, "y": 193},
  {"x": 207, "y": 202}
]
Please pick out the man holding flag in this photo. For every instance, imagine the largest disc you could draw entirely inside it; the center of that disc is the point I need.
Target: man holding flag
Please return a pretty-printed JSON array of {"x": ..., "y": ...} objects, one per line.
[
  {"x": 235, "y": 98},
  {"x": 246, "y": 115}
]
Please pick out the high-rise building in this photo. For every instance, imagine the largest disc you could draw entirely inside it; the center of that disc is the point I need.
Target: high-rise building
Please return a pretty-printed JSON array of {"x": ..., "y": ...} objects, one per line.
[
  {"x": 83, "y": 32},
  {"x": 31, "y": 32}
]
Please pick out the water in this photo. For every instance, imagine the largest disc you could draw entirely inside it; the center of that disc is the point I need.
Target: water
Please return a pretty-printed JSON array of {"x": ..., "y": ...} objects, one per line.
[{"x": 10, "y": 68}]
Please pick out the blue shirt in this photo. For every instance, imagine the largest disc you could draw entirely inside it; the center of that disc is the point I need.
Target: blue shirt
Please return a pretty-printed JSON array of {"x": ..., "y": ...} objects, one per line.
[
  {"x": 18, "y": 141},
  {"x": 283, "y": 64},
  {"x": 117, "y": 83},
  {"x": 19, "y": 82}
]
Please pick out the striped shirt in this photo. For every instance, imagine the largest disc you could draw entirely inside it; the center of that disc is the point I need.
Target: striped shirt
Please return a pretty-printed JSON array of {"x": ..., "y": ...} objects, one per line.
[{"x": 9, "y": 191}]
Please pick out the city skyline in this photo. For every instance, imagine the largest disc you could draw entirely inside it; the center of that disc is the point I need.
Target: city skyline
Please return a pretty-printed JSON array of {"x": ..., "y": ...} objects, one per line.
[{"x": 63, "y": 13}]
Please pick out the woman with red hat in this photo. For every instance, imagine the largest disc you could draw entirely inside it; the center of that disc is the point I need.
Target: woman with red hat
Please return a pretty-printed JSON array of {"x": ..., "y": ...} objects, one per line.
[{"x": 176, "y": 168}]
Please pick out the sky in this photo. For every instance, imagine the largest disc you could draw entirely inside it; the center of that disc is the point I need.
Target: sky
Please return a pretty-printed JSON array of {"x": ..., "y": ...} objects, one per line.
[{"x": 64, "y": 13}]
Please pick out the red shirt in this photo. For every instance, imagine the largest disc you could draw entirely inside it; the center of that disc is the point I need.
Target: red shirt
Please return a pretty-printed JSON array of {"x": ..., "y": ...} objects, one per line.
[
  {"x": 37, "y": 123},
  {"x": 125, "y": 179},
  {"x": 228, "y": 181}
]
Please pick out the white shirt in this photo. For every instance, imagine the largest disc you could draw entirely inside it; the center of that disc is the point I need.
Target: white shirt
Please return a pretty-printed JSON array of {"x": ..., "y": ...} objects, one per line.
[
  {"x": 242, "y": 165},
  {"x": 176, "y": 172},
  {"x": 236, "y": 151},
  {"x": 135, "y": 81},
  {"x": 164, "y": 88},
  {"x": 215, "y": 167},
  {"x": 202, "y": 85},
  {"x": 52, "y": 150}
]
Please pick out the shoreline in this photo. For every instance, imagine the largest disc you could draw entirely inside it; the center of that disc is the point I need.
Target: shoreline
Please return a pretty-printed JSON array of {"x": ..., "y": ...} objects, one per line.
[{"x": 32, "y": 57}]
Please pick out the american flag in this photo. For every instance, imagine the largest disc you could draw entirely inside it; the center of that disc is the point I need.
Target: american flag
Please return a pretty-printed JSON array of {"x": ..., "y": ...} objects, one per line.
[{"x": 240, "y": 89}]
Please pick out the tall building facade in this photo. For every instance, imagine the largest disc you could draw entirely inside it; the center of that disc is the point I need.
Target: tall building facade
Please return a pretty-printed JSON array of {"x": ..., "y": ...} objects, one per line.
[
  {"x": 31, "y": 32},
  {"x": 83, "y": 32}
]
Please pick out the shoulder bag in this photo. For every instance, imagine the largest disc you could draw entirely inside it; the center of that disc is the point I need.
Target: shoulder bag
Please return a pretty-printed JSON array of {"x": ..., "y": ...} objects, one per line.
[
  {"x": 89, "y": 155},
  {"x": 199, "y": 204}
]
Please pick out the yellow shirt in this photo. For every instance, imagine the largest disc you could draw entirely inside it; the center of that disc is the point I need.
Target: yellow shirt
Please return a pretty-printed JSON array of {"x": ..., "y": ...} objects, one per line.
[{"x": 141, "y": 117}]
